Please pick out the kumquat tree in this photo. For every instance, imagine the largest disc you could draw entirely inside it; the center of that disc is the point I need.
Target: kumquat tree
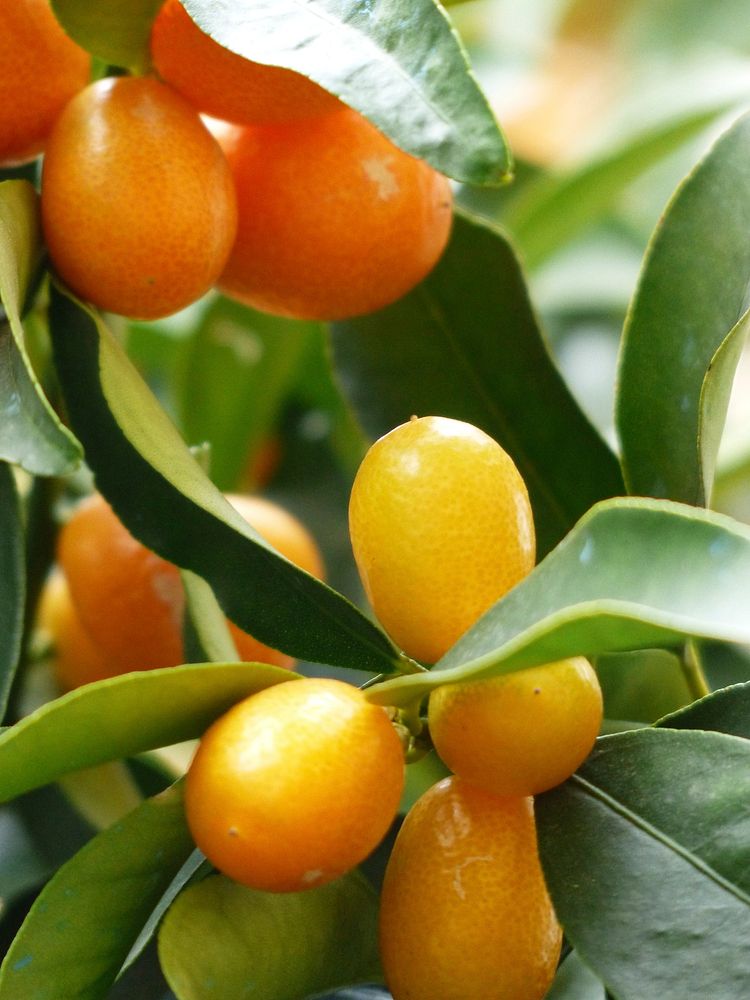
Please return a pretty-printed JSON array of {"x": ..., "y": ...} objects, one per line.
[{"x": 374, "y": 500}]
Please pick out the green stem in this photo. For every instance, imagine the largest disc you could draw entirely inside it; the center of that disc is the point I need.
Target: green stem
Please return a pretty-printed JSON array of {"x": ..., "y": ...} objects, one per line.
[{"x": 692, "y": 671}]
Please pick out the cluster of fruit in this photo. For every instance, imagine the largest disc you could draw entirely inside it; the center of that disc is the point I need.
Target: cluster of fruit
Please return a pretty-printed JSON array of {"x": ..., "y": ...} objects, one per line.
[
  {"x": 287, "y": 199},
  {"x": 112, "y": 606},
  {"x": 296, "y": 784}
]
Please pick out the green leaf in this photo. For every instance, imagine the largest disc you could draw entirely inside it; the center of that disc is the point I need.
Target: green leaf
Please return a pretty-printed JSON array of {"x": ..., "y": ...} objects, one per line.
[
  {"x": 631, "y": 575},
  {"x": 31, "y": 434},
  {"x": 12, "y": 582},
  {"x": 555, "y": 209},
  {"x": 466, "y": 344},
  {"x": 642, "y": 686},
  {"x": 176, "y": 510},
  {"x": 232, "y": 381},
  {"x": 403, "y": 67},
  {"x": 230, "y": 941},
  {"x": 205, "y": 627},
  {"x": 80, "y": 929},
  {"x": 685, "y": 327},
  {"x": 575, "y": 981},
  {"x": 652, "y": 836},
  {"x": 724, "y": 711},
  {"x": 116, "y": 31},
  {"x": 122, "y": 716}
]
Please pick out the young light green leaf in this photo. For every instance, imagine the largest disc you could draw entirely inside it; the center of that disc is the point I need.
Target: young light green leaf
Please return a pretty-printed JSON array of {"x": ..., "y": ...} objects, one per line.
[
  {"x": 632, "y": 574},
  {"x": 116, "y": 31},
  {"x": 80, "y": 929},
  {"x": 678, "y": 356},
  {"x": 12, "y": 582},
  {"x": 31, "y": 434},
  {"x": 642, "y": 686},
  {"x": 575, "y": 981},
  {"x": 724, "y": 711},
  {"x": 287, "y": 945},
  {"x": 466, "y": 344},
  {"x": 555, "y": 209},
  {"x": 205, "y": 627},
  {"x": 180, "y": 514},
  {"x": 232, "y": 380},
  {"x": 404, "y": 68},
  {"x": 655, "y": 823},
  {"x": 124, "y": 716}
]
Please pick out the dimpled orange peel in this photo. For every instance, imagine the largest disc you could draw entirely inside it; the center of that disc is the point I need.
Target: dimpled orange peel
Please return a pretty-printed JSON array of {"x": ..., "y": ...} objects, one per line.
[
  {"x": 441, "y": 528},
  {"x": 465, "y": 913}
]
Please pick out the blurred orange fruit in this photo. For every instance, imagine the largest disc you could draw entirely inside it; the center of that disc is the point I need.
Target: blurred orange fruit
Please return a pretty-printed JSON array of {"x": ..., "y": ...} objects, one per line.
[
  {"x": 465, "y": 913},
  {"x": 130, "y": 601},
  {"x": 229, "y": 86},
  {"x": 138, "y": 205},
  {"x": 522, "y": 733},
  {"x": 42, "y": 68},
  {"x": 76, "y": 660},
  {"x": 295, "y": 785},
  {"x": 441, "y": 528},
  {"x": 334, "y": 220}
]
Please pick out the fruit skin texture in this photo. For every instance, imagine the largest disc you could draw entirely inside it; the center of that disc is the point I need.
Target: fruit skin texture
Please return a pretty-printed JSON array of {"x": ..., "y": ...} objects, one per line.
[
  {"x": 138, "y": 206},
  {"x": 42, "y": 68},
  {"x": 229, "y": 86},
  {"x": 129, "y": 600},
  {"x": 441, "y": 528},
  {"x": 334, "y": 220},
  {"x": 77, "y": 660},
  {"x": 520, "y": 734},
  {"x": 294, "y": 786},
  {"x": 464, "y": 912}
]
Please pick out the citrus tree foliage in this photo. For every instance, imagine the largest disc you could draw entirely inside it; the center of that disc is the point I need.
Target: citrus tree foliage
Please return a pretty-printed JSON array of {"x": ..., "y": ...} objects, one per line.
[{"x": 589, "y": 312}]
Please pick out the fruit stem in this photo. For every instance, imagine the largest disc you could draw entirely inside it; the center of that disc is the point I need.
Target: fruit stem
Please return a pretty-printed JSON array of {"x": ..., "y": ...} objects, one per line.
[{"x": 692, "y": 671}]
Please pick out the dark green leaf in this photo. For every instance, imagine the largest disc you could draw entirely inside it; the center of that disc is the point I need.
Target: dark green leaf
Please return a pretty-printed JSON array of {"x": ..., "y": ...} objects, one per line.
[
  {"x": 653, "y": 837},
  {"x": 554, "y": 210},
  {"x": 80, "y": 929},
  {"x": 403, "y": 67},
  {"x": 117, "y": 31},
  {"x": 725, "y": 711},
  {"x": 466, "y": 344},
  {"x": 685, "y": 328},
  {"x": 12, "y": 582},
  {"x": 123, "y": 716},
  {"x": 286, "y": 944},
  {"x": 632, "y": 574},
  {"x": 232, "y": 381},
  {"x": 31, "y": 434},
  {"x": 144, "y": 469}
]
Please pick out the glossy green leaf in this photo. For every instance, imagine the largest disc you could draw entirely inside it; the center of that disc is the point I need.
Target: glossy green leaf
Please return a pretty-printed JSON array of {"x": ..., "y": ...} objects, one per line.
[
  {"x": 685, "y": 327},
  {"x": 81, "y": 927},
  {"x": 652, "y": 836},
  {"x": 403, "y": 67},
  {"x": 724, "y": 711},
  {"x": 31, "y": 434},
  {"x": 575, "y": 981},
  {"x": 617, "y": 582},
  {"x": 232, "y": 382},
  {"x": 116, "y": 31},
  {"x": 221, "y": 937},
  {"x": 123, "y": 716},
  {"x": 466, "y": 344},
  {"x": 12, "y": 582},
  {"x": 555, "y": 209},
  {"x": 144, "y": 469}
]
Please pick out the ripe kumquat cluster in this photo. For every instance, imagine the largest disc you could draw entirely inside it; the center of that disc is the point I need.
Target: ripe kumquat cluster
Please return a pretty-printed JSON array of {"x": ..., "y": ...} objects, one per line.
[{"x": 286, "y": 199}]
